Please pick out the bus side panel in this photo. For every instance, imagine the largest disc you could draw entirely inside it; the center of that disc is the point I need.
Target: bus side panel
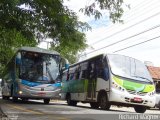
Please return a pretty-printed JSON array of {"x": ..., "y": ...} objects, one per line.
[
  {"x": 102, "y": 84},
  {"x": 79, "y": 89}
]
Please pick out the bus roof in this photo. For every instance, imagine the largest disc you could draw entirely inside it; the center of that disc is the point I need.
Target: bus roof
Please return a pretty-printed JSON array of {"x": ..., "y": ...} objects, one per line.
[
  {"x": 38, "y": 50},
  {"x": 100, "y": 55}
]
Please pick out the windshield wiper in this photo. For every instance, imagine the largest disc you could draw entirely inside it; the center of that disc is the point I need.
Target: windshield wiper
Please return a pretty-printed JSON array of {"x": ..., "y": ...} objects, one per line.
[{"x": 143, "y": 78}]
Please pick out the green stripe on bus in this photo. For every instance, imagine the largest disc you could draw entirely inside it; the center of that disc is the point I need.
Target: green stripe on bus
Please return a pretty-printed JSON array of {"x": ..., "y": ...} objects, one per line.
[
  {"x": 129, "y": 85},
  {"x": 118, "y": 80},
  {"x": 77, "y": 85}
]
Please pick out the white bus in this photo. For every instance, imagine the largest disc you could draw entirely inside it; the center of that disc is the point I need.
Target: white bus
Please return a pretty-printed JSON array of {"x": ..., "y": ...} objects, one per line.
[
  {"x": 32, "y": 73},
  {"x": 109, "y": 79}
]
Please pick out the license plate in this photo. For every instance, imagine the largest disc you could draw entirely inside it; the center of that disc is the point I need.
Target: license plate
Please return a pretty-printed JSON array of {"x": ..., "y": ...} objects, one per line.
[
  {"x": 42, "y": 94},
  {"x": 136, "y": 99}
]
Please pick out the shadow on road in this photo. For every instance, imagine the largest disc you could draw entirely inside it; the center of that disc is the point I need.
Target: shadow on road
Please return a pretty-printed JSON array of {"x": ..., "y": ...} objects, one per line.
[{"x": 40, "y": 102}]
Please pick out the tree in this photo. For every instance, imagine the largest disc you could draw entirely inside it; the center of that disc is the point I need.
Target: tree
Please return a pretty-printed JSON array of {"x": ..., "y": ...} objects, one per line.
[
  {"x": 32, "y": 21},
  {"x": 114, "y": 7},
  {"x": 10, "y": 40},
  {"x": 36, "y": 20},
  {"x": 76, "y": 43}
]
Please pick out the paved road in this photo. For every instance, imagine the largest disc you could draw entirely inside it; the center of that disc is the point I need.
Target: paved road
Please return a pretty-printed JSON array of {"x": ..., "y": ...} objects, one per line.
[{"x": 58, "y": 110}]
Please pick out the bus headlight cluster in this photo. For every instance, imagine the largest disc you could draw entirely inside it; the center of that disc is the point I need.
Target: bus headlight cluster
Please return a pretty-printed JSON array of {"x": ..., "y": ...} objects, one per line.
[
  {"x": 115, "y": 85},
  {"x": 20, "y": 92}
]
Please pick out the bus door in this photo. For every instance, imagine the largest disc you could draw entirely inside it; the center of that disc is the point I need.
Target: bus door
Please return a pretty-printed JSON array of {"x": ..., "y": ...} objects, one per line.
[{"x": 91, "y": 89}]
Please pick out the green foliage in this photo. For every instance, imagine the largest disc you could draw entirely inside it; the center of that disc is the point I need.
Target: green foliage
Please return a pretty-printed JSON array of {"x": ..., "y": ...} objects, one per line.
[
  {"x": 10, "y": 40},
  {"x": 114, "y": 7},
  {"x": 26, "y": 22},
  {"x": 76, "y": 42}
]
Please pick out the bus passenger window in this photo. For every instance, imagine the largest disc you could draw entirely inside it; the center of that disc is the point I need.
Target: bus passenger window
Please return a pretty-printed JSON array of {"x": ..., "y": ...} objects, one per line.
[
  {"x": 100, "y": 73},
  {"x": 71, "y": 76},
  {"x": 84, "y": 74},
  {"x": 77, "y": 75},
  {"x": 67, "y": 77}
]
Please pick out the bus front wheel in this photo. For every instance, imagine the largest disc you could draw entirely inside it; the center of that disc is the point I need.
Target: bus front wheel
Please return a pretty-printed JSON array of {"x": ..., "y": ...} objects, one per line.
[
  {"x": 103, "y": 101},
  {"x": 46, "y": 101},
  {"x": 140, "y": 109}
]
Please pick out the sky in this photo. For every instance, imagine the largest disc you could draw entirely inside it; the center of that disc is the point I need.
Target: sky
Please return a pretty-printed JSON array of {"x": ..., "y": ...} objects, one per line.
[{"x": 141, "y": 17}]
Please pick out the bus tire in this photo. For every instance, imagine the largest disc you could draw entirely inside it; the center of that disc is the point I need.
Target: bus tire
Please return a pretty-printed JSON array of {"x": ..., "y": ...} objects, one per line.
[
  {"x": 69, "y": 101},
  {"x": 7, "y": 98},
  {"x": 46, "y": 101},
  {"x": 103, "y": 101},
  {"x": 3, "y": 97},
  {"x": 140, "y": 109},
  {"x": 74, "y": 103},
  {"x": 94, "y": 105},
  {"x": 68, "y": 98},
  {"x": 14, "y": 99}
]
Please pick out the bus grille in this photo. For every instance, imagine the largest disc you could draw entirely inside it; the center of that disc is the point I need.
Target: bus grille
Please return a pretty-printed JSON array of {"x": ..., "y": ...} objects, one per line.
[{"x": 137, "y": 93}]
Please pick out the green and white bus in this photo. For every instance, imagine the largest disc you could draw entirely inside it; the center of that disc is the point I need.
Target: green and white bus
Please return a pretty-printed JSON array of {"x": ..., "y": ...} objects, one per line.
[
  {"x": 33, "y": 73},
  {"x": 109, "y": 79}
]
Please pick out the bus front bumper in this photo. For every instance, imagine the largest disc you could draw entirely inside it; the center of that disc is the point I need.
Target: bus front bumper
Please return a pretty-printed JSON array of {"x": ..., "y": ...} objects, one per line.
[
  {"x": 118, "y": 96},
  {"x": 33, "y": 93}
]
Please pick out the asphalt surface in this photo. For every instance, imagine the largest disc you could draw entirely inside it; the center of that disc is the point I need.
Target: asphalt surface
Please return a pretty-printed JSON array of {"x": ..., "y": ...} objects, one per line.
[{"x": 59, "y": 110}]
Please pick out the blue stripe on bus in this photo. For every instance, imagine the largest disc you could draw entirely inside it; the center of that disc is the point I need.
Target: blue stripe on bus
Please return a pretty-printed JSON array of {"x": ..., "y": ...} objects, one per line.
[
  {"x": 57, "y": 84},
  {"x": 30, "y": 84},
  {"x": 33, "y": 84}
]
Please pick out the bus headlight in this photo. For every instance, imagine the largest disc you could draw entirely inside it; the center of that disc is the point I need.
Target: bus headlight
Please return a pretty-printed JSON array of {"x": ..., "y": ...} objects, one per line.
[{"x": 20, "y": 92}]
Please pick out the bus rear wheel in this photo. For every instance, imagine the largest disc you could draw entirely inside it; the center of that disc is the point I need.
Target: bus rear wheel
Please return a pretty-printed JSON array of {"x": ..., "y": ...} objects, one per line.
[
  {"x": 94, "y": 105},
  {"x": 46, "y": 101},
  {"x": 103, "y": 101},
  {"x": 140, "y": 109},
  {"x": 14, "y": 99},
  {"x": 71, "y": 102},
  {"x": 5, "y": 97}
]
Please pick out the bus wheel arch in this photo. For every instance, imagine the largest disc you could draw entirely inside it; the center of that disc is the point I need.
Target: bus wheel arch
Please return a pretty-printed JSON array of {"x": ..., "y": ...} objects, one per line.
[{"x": 103, "y": 100}]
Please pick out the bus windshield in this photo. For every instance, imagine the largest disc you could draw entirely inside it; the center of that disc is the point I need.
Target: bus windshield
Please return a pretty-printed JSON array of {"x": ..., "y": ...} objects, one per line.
[
  {"x": 39, "y": 67},
  {"x": 129, "y": 67}
]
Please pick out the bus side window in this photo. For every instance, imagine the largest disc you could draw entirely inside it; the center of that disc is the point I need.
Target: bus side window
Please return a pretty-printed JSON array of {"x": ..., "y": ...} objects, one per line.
[
  {"x": 77, "y": 74},
  {"x": 71, "y": 76},
  {"x": 67, "y": 76},
  {"x": 99, "y": 68},
  {"x": 106, "y": 73},
  {"x": 102, "y": 70},
  {"x": 84, "y": 74},
  {"x": 105, "y": 70}
]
